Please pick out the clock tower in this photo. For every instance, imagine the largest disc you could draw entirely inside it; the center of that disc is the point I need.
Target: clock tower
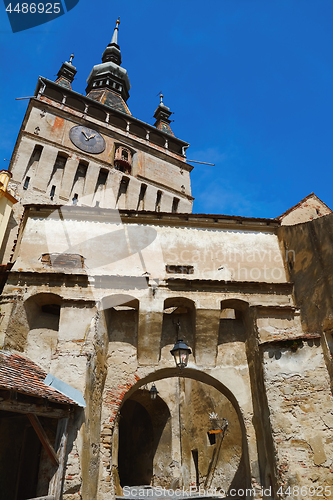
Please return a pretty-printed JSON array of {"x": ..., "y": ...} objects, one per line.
[{"x": 89, "y": 150}]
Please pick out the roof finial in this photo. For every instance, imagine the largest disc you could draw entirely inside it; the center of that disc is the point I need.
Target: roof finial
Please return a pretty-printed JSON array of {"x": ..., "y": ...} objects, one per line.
[
  {"x": 71, "y": 58},
  {"x": 115, "y": 33},
  {"x": 161, "y": 97}
]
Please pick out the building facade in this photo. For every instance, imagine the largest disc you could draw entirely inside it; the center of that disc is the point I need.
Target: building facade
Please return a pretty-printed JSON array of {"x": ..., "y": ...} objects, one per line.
[{"x": 111, "y": 268}]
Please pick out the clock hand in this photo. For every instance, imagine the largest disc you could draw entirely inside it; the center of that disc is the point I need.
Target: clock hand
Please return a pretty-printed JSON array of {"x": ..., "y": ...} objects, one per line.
[
  {"x": 87, "y": 138},
  {"x": 91, "y": 136}
]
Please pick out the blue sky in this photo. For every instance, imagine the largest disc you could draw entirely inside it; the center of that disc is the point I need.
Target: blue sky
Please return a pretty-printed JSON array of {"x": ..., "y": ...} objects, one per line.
[{"x": 250, "y": 83}]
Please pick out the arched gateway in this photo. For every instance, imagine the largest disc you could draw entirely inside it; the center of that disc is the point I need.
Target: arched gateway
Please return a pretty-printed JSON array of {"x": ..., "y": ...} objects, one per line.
[{"x": 173, "y": 441}]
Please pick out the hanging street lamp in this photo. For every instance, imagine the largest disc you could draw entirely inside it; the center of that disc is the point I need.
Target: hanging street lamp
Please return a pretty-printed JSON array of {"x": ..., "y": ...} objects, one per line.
[
  {"x": 181, "y": 352},
  {"x": 153, "y": 392}
]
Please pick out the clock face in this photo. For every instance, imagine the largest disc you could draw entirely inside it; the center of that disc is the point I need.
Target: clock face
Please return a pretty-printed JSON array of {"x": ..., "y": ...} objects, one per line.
[{"x": 87, "y": 139}]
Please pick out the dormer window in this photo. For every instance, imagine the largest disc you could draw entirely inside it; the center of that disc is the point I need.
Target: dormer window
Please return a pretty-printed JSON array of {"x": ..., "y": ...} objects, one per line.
[{"x": 123, "y": 159}]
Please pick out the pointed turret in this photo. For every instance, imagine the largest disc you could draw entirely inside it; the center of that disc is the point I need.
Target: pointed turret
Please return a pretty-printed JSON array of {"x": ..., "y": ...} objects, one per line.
[
  {"x": 108, "y": 82},
  {"x": 66, "y": 74},
  {"x": 162, "y": 115}
]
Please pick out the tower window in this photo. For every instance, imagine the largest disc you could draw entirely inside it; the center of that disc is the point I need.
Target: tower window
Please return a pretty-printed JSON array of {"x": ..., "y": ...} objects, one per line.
[
  {"x": 82, "y": 169},
  {"x": 52, "y": 192},
  {"x": 60, "y": 161},
  {"x": 75, "y": 199},
  {"x": 121, "y": 198},
  {"x": 158, "y": 201},
  {"x": 33, "y": 162},
  {"x": 58, "y": 170},
  {"x": 175, "y": 204},
  {"x": 179, "y": 269},
  {"x": 142, "y": 194},
  {"x": 123, "y": 159},
  {"x": 36, "y": 153},
  {"x": 123, "y": 185},
  {"x": 103, "y": 175},
  {"x": 26, "y": 183}
]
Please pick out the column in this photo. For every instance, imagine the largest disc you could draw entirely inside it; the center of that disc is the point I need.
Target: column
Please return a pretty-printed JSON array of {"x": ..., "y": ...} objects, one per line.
[
  {"x": 166, "y": 202},
  {"x": 206, "y": 336},
  {"x": 132, "y": 195},
  {"x": 90, "y": 184},
  {"x": 150, "y": 198},
  {"x": 68, "y": 177},
  {"x": 112, "y": 188},
  {"x": 45, "y": 167},
  {"x": 22, "y": 158},
  {"x": 150, "y": 330},
  {"x": 185, "y": 206}
]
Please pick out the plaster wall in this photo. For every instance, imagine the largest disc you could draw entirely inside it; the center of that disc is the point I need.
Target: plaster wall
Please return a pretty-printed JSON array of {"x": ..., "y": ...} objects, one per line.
[
  {"x": 230, "y": 255},
  {"x": 300, "y": 402},
  {"x": 308, "y": 248}
]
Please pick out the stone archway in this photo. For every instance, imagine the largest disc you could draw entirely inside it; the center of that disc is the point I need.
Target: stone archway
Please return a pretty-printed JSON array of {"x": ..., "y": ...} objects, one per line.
[
  {"x": 192, "y": 460},
  {"x": 143, "y": 428}
]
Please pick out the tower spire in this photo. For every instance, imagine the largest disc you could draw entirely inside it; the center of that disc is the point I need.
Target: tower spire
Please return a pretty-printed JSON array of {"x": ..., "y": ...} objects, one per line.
[
  {"x": 112, "y": 51},
  {"x": 108, "y": 82},
  {"x": 115, "y": 32}
]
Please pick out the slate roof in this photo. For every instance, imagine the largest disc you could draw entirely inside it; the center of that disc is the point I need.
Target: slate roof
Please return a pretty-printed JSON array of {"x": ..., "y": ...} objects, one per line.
[{"x": 24, "y": 376}]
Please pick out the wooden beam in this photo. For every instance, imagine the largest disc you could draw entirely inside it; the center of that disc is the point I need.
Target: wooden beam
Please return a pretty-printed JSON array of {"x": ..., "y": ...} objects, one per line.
[
  {"x": 43, "y": 438},
  {"x": 55, "y": 487},
  {"x": 40, "y": 410},
  {"x": 49, "y": 497}
]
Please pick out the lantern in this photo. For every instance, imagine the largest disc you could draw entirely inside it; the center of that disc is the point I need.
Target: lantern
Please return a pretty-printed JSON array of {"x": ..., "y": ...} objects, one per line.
[
  {"x": 181, "y": 353},
  {"x": 153, "y": 392}
]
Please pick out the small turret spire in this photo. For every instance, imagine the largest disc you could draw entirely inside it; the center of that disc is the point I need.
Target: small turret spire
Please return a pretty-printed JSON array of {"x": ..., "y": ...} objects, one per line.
[
  {"x": 162, "y": 117},
  {"x": 66, "y": 73}
]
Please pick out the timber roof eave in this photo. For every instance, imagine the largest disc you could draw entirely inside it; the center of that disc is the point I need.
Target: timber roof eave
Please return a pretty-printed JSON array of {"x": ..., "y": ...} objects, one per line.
[{"x": 218, "y": 221}]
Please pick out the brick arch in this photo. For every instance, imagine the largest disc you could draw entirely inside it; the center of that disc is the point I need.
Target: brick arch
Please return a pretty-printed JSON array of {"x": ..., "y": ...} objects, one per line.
[
  {"x": 117, "y": 398},
  {"x": 37, "y": 302},
  {"x": 237, "y": 304},
  {"x": 118, "y": 299}
]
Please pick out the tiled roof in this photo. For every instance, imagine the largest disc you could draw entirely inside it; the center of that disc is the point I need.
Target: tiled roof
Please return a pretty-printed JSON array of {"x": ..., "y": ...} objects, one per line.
[
  {"x": 311, "y": 195},
  {"x": 23, "y": 375}
]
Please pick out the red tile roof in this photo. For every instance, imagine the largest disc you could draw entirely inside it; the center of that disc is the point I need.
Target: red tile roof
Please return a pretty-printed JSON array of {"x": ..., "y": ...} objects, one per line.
[{"x": 23, "y": 375}]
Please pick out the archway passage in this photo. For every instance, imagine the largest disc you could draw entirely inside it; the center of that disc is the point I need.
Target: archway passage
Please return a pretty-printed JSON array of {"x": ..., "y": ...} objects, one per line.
[
  {"x": 166, "y": 442},
  {"x": 141, "y": 425}
]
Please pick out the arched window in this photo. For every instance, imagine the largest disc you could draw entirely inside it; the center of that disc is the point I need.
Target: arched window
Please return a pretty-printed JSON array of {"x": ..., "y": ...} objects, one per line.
[{"x": 123, "y": 159}]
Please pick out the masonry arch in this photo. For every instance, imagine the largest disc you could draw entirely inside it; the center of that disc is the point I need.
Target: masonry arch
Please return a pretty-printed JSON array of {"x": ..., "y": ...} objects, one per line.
[
  {"x": 189, "y": 397},
  {"x": 43, "y": 314},
  {"x": 232, "y": 322},
  {"x": 178, "y": 321},
  {"x": 121, "y": 313},
  {"x": 35, "y": 323},
  {"x": 144, "y": 428}
]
